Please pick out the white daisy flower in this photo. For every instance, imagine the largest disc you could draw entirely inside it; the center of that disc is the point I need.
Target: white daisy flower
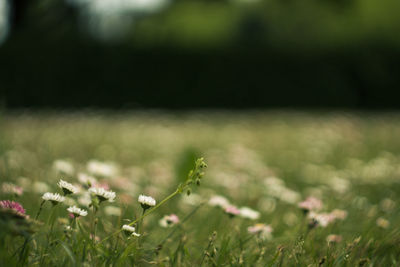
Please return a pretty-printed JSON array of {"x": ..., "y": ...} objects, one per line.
[
  {"x": 77, "y": 211},
  {"x": 248, "y": 213},
  {"x": 67, "y": 187},
  {"x": 219, "y": 201},
  {"x": 102, "y": 194},
  {"x": 54, "y": 198},
  {"x": 146, "y": 201},
  {"x": 129, "y": 230}
]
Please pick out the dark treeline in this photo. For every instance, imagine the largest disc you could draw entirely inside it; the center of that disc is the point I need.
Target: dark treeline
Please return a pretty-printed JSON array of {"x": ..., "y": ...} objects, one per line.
[
  {"x": 119, "y": 77},
  {"x": 56, "y": 66}
]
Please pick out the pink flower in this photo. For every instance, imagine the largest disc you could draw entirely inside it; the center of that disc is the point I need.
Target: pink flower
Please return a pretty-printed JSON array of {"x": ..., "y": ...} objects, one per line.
[
  {"x": 321, "y": 219},
  {"x": 232, "y": 211},
  {"x": 173, "y": 218},
  {"x": 104, "y": 185},
  {"x": 7, "y": 204},
  {"x": 261, "y": 229},
  {"x": 10, "y": 188},
  {"x": 311, "y": 203},
  {"x": 169, "y": 220},
  {"x": 334, "y": 238}
]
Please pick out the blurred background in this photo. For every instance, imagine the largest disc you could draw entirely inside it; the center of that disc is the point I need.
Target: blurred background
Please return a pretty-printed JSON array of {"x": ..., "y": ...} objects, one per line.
[{"x": 175, "y": 54}]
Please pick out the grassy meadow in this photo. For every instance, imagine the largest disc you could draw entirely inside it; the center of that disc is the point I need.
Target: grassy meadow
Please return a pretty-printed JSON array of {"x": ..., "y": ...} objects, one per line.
[{"x": 279, "y": 189}]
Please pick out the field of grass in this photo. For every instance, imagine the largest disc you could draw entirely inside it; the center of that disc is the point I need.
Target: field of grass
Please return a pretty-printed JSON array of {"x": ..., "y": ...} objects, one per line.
[{"x": 245, "y": 212}]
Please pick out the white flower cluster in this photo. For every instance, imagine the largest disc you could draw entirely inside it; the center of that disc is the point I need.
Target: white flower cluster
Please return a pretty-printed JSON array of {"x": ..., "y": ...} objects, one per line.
[
  {"x": 67, "y": 187},
  {"x": 102, "y": 194},
  {"x": 146, "y": 201},
  {"x": 53, "y": 197},
  {"x": 130, "y": 229},
  {"x": 77, "y": 211}
]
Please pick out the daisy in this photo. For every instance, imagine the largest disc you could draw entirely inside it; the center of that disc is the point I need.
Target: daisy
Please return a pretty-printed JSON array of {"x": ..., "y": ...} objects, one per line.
[
  {"x": 169, "y": 220},
  {"x": 67, "y": 187},
  {"x": 321, "y": 219},
  {"x": 248, "y": 213},
  {"x": 146, "y": 201},
  {"x": 130, "y": 230},
  {"x": 54, "y": 198},
  {"x": 261, "y": 229},
  {"x": 232, "y": 211},
  {"x": 10, "y": 188},
  {"x": 77, "y": 211},
  {"x": 102, "y": 194},
  {"x": 311, "y": 203},
  {"x": 219, "y": 201},
  {"x": 7, "y": 204}
]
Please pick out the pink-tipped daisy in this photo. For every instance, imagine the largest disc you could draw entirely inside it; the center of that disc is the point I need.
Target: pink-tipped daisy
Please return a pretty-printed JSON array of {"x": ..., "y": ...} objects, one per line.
[
  {"x": 310, "y": 204},
  {"x": 232, "y": 211},
  {"x": 263, "y": 230},
  {"x": 169, "y": 220},
  {"x": 7, "y": 204}
]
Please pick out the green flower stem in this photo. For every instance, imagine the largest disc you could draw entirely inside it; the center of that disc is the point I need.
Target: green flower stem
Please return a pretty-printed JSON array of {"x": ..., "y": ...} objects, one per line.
[
  {"x": 94, "y": 224},
  {"x": 138, "y": 228},
  {"x": 40, "y": 209}
]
